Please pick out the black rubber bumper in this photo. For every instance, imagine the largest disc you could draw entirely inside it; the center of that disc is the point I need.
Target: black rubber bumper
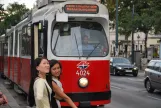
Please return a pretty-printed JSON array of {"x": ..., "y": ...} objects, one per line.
[{"x": 94, "y": 96}]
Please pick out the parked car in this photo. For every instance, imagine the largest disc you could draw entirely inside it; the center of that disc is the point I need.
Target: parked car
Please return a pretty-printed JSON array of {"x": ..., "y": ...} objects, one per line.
[
  {"x": 122, "y": 66},
  {"x": 152, "y": 79}
]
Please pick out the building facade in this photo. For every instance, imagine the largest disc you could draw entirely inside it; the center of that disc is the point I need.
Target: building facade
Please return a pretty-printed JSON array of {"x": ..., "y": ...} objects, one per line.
[{"x": 124, "y": 46}]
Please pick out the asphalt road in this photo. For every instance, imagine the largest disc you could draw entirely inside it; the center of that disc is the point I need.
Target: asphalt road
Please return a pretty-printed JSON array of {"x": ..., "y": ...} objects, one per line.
[{"x": 129, "y": 92}]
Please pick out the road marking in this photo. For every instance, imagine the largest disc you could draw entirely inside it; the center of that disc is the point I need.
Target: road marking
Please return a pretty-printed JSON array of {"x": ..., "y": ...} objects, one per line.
[
  {"x": 139, "y": 80},
  {"x": 142, "y": 91},
  {"x": 154, "y": 98},
  {"x": 116, "y": 87}
]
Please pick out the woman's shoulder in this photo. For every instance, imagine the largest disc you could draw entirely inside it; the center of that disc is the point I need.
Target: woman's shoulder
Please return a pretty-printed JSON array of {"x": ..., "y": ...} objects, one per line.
[
  {"x": 39, "y": 80},
  {"x": 59, "y": 83}
]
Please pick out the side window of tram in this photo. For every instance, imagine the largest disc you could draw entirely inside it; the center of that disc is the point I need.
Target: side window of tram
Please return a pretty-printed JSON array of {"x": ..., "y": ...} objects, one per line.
[
  {"x": 5, "y": 47},
  {"x": 41, "y": 44},
  {"x": 16, "y": 41},
  {"x": 11, "y": 44},
  {"x": 0, "y": 48},
  {"x": 26, "y": 41}
]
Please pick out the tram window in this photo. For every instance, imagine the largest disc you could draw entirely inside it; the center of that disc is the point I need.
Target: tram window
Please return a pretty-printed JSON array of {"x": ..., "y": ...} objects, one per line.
[
  {"x": 82, "y": 39},
  {"x": 5, "y": 47},
  {"x": 0, "y": 48},
  {"x": 11, "y": 44},
  {"x": 20, "y": 42},
  {"x": 41, "y": 44},
  {"x": 26, "y": 41},
  {"x": 16, "y": 40}
]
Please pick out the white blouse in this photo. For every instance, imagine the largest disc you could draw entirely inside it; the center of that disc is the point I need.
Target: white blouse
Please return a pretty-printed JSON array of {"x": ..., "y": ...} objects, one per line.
[
  {"x": 41, "y": 94},
  {"x": 60, "y": 85}
]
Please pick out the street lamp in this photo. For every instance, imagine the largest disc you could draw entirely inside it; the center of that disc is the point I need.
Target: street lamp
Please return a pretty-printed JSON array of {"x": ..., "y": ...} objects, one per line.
[{"x": 138, "y": 37}]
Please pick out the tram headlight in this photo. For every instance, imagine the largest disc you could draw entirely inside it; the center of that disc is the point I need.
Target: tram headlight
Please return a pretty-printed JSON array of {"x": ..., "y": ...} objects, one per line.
[{"x": 83, "y": 82}]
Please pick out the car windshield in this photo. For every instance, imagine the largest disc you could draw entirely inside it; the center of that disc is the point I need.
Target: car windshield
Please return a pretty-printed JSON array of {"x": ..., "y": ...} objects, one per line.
[{"x": 121, "y": 60}]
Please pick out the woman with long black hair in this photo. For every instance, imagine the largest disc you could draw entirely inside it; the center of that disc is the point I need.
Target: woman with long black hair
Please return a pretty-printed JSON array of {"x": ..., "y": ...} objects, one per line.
[{"x": 40, "y": 91}]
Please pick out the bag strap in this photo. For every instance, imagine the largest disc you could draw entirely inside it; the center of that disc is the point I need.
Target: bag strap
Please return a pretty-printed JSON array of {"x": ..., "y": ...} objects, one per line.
[
  {"x": 48, "y": 96},
  {"x": 54, "y": 81}
]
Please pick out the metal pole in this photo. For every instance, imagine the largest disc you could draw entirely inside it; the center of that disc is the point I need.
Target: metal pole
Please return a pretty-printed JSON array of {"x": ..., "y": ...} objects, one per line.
[
  {"x": 138, "y": 44},
  {"x": 132, "y": 56},
  {"x": 116, "y": 50},
  {"x": 160, "y": 50}
]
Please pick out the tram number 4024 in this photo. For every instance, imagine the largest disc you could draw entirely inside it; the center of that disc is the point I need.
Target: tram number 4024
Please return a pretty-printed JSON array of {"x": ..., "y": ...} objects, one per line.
[{"x": 82, "y": 73}]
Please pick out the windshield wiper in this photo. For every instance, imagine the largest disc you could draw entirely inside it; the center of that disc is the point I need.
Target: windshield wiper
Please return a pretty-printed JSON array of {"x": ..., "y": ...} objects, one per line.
[
  {"x": 92, "y": 50},
  {"x": 77, "y": 45},
  {"x": 56, "y": 42}
]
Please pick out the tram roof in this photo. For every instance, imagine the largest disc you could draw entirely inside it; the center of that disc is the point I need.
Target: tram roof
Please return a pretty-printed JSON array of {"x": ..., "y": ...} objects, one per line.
[{"x": 58, "y": 6}]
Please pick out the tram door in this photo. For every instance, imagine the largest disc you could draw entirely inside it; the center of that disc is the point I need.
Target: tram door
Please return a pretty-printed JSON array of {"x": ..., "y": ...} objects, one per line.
[
  {"x": 3, "y": 54},
  {"x": 1, "y": 57},
  {"x": 38, "y": 43}
]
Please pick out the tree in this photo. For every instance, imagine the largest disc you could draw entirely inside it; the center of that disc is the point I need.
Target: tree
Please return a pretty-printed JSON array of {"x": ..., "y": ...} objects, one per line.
[
  {"x": 2, "y": 17},
  {"x": 111, "y": 6},
  {"x": 2, "y": 12},
  {"x": 13, "y": 16},
  {"x": 156, "y": 7},
  {"x": 125, "y": 27},
  {"x": 146, "y": 17},
  {"x": 15, "y": 12},
  {"x": 143, "y": 18}
]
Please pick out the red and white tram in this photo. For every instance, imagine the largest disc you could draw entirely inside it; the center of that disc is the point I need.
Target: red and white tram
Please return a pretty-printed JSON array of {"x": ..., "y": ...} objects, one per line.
[
  {"x": 2, "y": 46},
  {"x": 74, "y": 32}
]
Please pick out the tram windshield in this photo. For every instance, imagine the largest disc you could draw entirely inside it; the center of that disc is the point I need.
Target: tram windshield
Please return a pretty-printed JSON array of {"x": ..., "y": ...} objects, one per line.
[{"x": 79, "y": 39}]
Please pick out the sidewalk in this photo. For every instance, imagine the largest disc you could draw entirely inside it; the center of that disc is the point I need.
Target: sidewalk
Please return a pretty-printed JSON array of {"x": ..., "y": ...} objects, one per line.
[{"x": 11, "y": 101}]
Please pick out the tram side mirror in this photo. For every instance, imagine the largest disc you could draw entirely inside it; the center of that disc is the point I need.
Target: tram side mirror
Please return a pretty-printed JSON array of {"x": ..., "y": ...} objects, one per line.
[
  {"x": 41, "y": 26},
  {"x": 61, "y": 17},
  {"x": 65, "y": 30}
]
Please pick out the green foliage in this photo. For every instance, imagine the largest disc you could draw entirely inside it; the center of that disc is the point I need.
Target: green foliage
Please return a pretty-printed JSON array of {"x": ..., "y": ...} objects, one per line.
[
  {"x": 146, "y": 18},
  {"x": 14, "y": 13}
]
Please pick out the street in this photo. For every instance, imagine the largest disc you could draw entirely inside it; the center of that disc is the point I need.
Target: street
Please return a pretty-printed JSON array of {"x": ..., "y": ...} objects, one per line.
[{"x": 129, "y": 92}]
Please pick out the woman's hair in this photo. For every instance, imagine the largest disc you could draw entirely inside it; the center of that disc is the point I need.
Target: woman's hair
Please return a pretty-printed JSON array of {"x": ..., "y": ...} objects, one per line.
[
  {"x": 49, "y": 76},
  {"x": 31, "y": 97}
]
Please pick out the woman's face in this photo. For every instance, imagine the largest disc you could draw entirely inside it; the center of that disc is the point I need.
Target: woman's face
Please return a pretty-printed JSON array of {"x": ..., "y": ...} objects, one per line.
[
  {"x": 44, "y": 66},
  {"x": 56, "y": 70}
]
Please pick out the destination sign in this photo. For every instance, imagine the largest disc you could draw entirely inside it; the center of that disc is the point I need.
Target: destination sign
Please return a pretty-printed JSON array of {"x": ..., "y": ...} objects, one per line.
[{"x": 81, "y": 8}]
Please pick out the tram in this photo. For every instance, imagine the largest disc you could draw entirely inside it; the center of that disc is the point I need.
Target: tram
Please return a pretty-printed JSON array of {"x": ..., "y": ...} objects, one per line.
[
  {"x": 2, "y": 46},
  {"x": 75, "y": 32}
]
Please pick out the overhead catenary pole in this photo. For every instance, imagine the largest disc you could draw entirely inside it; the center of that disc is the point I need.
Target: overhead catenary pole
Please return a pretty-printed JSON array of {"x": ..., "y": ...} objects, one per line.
[
  {"x": 116, "y": 43},
  {"x": 132, "y": 48}
]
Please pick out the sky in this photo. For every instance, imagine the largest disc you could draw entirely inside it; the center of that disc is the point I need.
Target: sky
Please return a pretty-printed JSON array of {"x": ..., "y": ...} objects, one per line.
[{"x": 28, "y": 3}]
